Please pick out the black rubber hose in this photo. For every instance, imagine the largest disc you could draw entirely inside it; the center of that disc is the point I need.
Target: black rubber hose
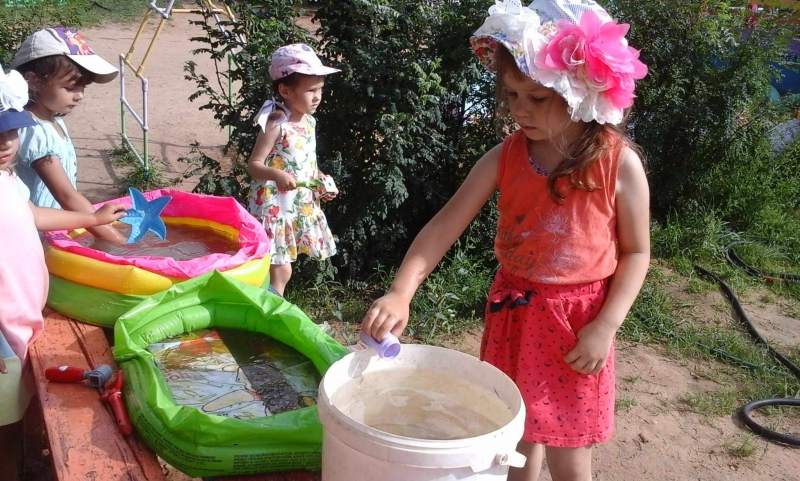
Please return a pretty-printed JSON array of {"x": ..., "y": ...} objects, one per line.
[
  {"x": 737, "y": 307},
  {"x": 745, "y": 412},
  {"x": 734, "y": 259},
  {"x": 102, "y": 6},
  {"x": 761, "y": 430}
]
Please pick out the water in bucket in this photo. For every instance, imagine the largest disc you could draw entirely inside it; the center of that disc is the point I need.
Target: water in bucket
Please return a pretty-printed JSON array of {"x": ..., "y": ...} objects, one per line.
[
  {"x": 430, "y": 414},
  {"x": 422, "y": 404}
]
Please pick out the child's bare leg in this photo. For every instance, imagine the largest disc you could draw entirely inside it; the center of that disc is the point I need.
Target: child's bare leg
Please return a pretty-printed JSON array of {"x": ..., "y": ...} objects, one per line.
[
  {"x": 570, "y": 464},
  {"x": 10, "y": 450},
  {"x": 279, "y": 276},
  {"x": 533, "y": 467}
]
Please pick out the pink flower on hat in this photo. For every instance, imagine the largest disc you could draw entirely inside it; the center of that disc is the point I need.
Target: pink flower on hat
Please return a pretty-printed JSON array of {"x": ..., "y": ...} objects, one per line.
[
  {"x": 597, "y": 52},
  {"x": 571, "y": 46}
]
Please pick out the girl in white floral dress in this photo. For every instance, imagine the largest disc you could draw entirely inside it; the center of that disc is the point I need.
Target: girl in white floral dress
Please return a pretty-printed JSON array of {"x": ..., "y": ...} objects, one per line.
[{"x": 284, "y": 160}]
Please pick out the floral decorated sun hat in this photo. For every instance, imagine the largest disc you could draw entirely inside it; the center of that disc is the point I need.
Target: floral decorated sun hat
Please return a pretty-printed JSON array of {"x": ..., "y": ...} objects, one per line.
[{"x": 571, "y": 46}]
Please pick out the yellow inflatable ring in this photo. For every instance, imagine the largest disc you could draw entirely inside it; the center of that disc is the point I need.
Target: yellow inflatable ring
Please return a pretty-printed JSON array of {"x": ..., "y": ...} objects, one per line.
[
  {"x": 134, "y": 280},
  {"x": 116, "y": 282}
]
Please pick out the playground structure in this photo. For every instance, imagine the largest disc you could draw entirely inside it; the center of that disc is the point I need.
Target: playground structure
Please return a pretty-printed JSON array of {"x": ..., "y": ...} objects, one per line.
[{"x": 219, "y": 13}]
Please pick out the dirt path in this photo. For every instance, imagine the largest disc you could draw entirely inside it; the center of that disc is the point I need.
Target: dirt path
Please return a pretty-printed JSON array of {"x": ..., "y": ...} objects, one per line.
[{"x": 657, "y": 439}]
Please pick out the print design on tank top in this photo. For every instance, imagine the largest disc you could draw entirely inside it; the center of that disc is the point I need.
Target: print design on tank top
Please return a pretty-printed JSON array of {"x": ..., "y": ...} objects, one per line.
[
  {"x": 511, "y": 248},
  {"x": 554, "y": 225}
]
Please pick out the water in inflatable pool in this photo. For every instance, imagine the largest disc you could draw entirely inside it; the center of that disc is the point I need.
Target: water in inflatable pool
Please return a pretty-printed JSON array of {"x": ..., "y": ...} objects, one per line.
[
  {"x": 183, "y": 243},
  {"x": 235, "y": 373}
]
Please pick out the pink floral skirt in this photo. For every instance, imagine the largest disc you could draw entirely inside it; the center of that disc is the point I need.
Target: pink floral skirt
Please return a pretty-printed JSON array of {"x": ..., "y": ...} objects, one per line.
[{"x": 530, "y": 328}]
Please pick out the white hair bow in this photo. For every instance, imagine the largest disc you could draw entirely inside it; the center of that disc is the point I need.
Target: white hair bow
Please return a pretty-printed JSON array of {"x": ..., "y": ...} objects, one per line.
[
  {"x": 13, "y": 91},
  {"x": 267, "y": 108}
]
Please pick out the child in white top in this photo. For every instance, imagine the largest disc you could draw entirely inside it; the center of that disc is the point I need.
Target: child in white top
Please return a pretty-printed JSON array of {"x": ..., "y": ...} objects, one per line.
[{"x": 58, "y": 65}]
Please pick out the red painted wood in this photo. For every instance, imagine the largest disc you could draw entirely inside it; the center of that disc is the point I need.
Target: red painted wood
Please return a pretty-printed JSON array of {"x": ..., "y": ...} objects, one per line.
[{"x": 85, "y": 443}]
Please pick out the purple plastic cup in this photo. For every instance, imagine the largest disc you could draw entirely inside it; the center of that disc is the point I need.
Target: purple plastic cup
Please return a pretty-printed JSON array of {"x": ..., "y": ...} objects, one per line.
[{"x": 389, "y": 348}]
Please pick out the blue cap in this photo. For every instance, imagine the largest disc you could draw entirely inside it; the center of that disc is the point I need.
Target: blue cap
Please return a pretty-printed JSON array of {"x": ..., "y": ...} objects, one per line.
[{"x": 13, "y": 120}]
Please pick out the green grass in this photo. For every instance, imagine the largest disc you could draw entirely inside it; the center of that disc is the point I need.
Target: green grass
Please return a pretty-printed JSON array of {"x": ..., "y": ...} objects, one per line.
[
  {"x": 117, "y": 11},
  {"x": 134, "y": 174},
  {"x": 633, "y": 379},
  {"x": 329, "y": 301},
  {"x": 452, "y": 298},
  {"x": 667, "y": 310},
  {"x": 746, "y": 371},
  {"x": 654, "y": 319},
  {"x": 651, "y": 318},
  {"x": 662, "y": 406},
  {"x": 697, "y": 286},
  {"x": 624, "y": 404},
  {"x": 741, "y": 446},
  {"x": 714, "y": 404},
  {"x": 78, "y": 13}
]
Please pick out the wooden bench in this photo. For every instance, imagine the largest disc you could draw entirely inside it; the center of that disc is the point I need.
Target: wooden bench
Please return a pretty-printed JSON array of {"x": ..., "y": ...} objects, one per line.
[{"x": 79, "y": 434}]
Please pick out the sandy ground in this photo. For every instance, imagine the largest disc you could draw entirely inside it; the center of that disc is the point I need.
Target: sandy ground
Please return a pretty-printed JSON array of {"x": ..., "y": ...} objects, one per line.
[{"x": 657, "y": 438}]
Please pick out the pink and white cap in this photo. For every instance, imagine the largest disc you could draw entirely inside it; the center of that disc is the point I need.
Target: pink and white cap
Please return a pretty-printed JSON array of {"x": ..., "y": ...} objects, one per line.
[
  {"x": 64, "y": 41},
  {"x": 297, "y": 58}
]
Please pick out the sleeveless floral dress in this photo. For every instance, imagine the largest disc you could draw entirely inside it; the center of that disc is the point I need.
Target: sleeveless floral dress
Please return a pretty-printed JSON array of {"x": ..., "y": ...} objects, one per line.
[{"x": 293, "y": 220}]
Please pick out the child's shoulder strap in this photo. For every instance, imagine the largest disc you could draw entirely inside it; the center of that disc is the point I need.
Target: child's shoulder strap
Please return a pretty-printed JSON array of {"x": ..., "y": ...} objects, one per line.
[{"x": 510, "y": 148}]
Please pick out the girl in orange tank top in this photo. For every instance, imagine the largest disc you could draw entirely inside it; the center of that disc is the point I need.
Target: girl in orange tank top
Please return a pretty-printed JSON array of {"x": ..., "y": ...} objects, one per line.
[{"x": 573, "y": 232}]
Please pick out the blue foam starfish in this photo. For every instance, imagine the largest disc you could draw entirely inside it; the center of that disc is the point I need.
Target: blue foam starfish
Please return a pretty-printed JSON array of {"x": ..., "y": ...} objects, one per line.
[{"x": 144, "y": 216}]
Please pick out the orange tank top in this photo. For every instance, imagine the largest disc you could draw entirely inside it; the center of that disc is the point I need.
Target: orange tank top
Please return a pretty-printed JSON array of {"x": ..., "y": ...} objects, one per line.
[{"x": 571, "y": 242}]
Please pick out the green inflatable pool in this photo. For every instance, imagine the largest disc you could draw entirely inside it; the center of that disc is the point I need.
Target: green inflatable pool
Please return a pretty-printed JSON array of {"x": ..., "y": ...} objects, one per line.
[{"x": 201, "y": 444}]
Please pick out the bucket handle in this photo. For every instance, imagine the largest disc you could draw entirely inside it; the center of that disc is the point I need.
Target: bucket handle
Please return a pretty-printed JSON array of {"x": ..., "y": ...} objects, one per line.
[{"x": 512, "y": 459}]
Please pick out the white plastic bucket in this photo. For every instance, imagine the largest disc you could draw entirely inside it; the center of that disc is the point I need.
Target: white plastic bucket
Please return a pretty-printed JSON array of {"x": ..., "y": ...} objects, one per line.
[{"x": 352, "y": 451}]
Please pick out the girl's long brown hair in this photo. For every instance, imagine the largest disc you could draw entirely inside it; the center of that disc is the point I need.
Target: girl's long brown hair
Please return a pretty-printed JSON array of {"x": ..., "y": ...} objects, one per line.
[{"x": 599, "y": 141}]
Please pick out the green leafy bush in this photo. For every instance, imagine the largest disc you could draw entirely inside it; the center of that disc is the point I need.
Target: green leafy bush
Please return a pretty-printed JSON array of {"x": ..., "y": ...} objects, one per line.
[
  {"x": 404, "y": 122},
  {"x": 702, "y": 114},
  {"x": 396, "y": 130},
  {"x": 17, "y": 21},
  {"x": 454, "y": 296}
]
